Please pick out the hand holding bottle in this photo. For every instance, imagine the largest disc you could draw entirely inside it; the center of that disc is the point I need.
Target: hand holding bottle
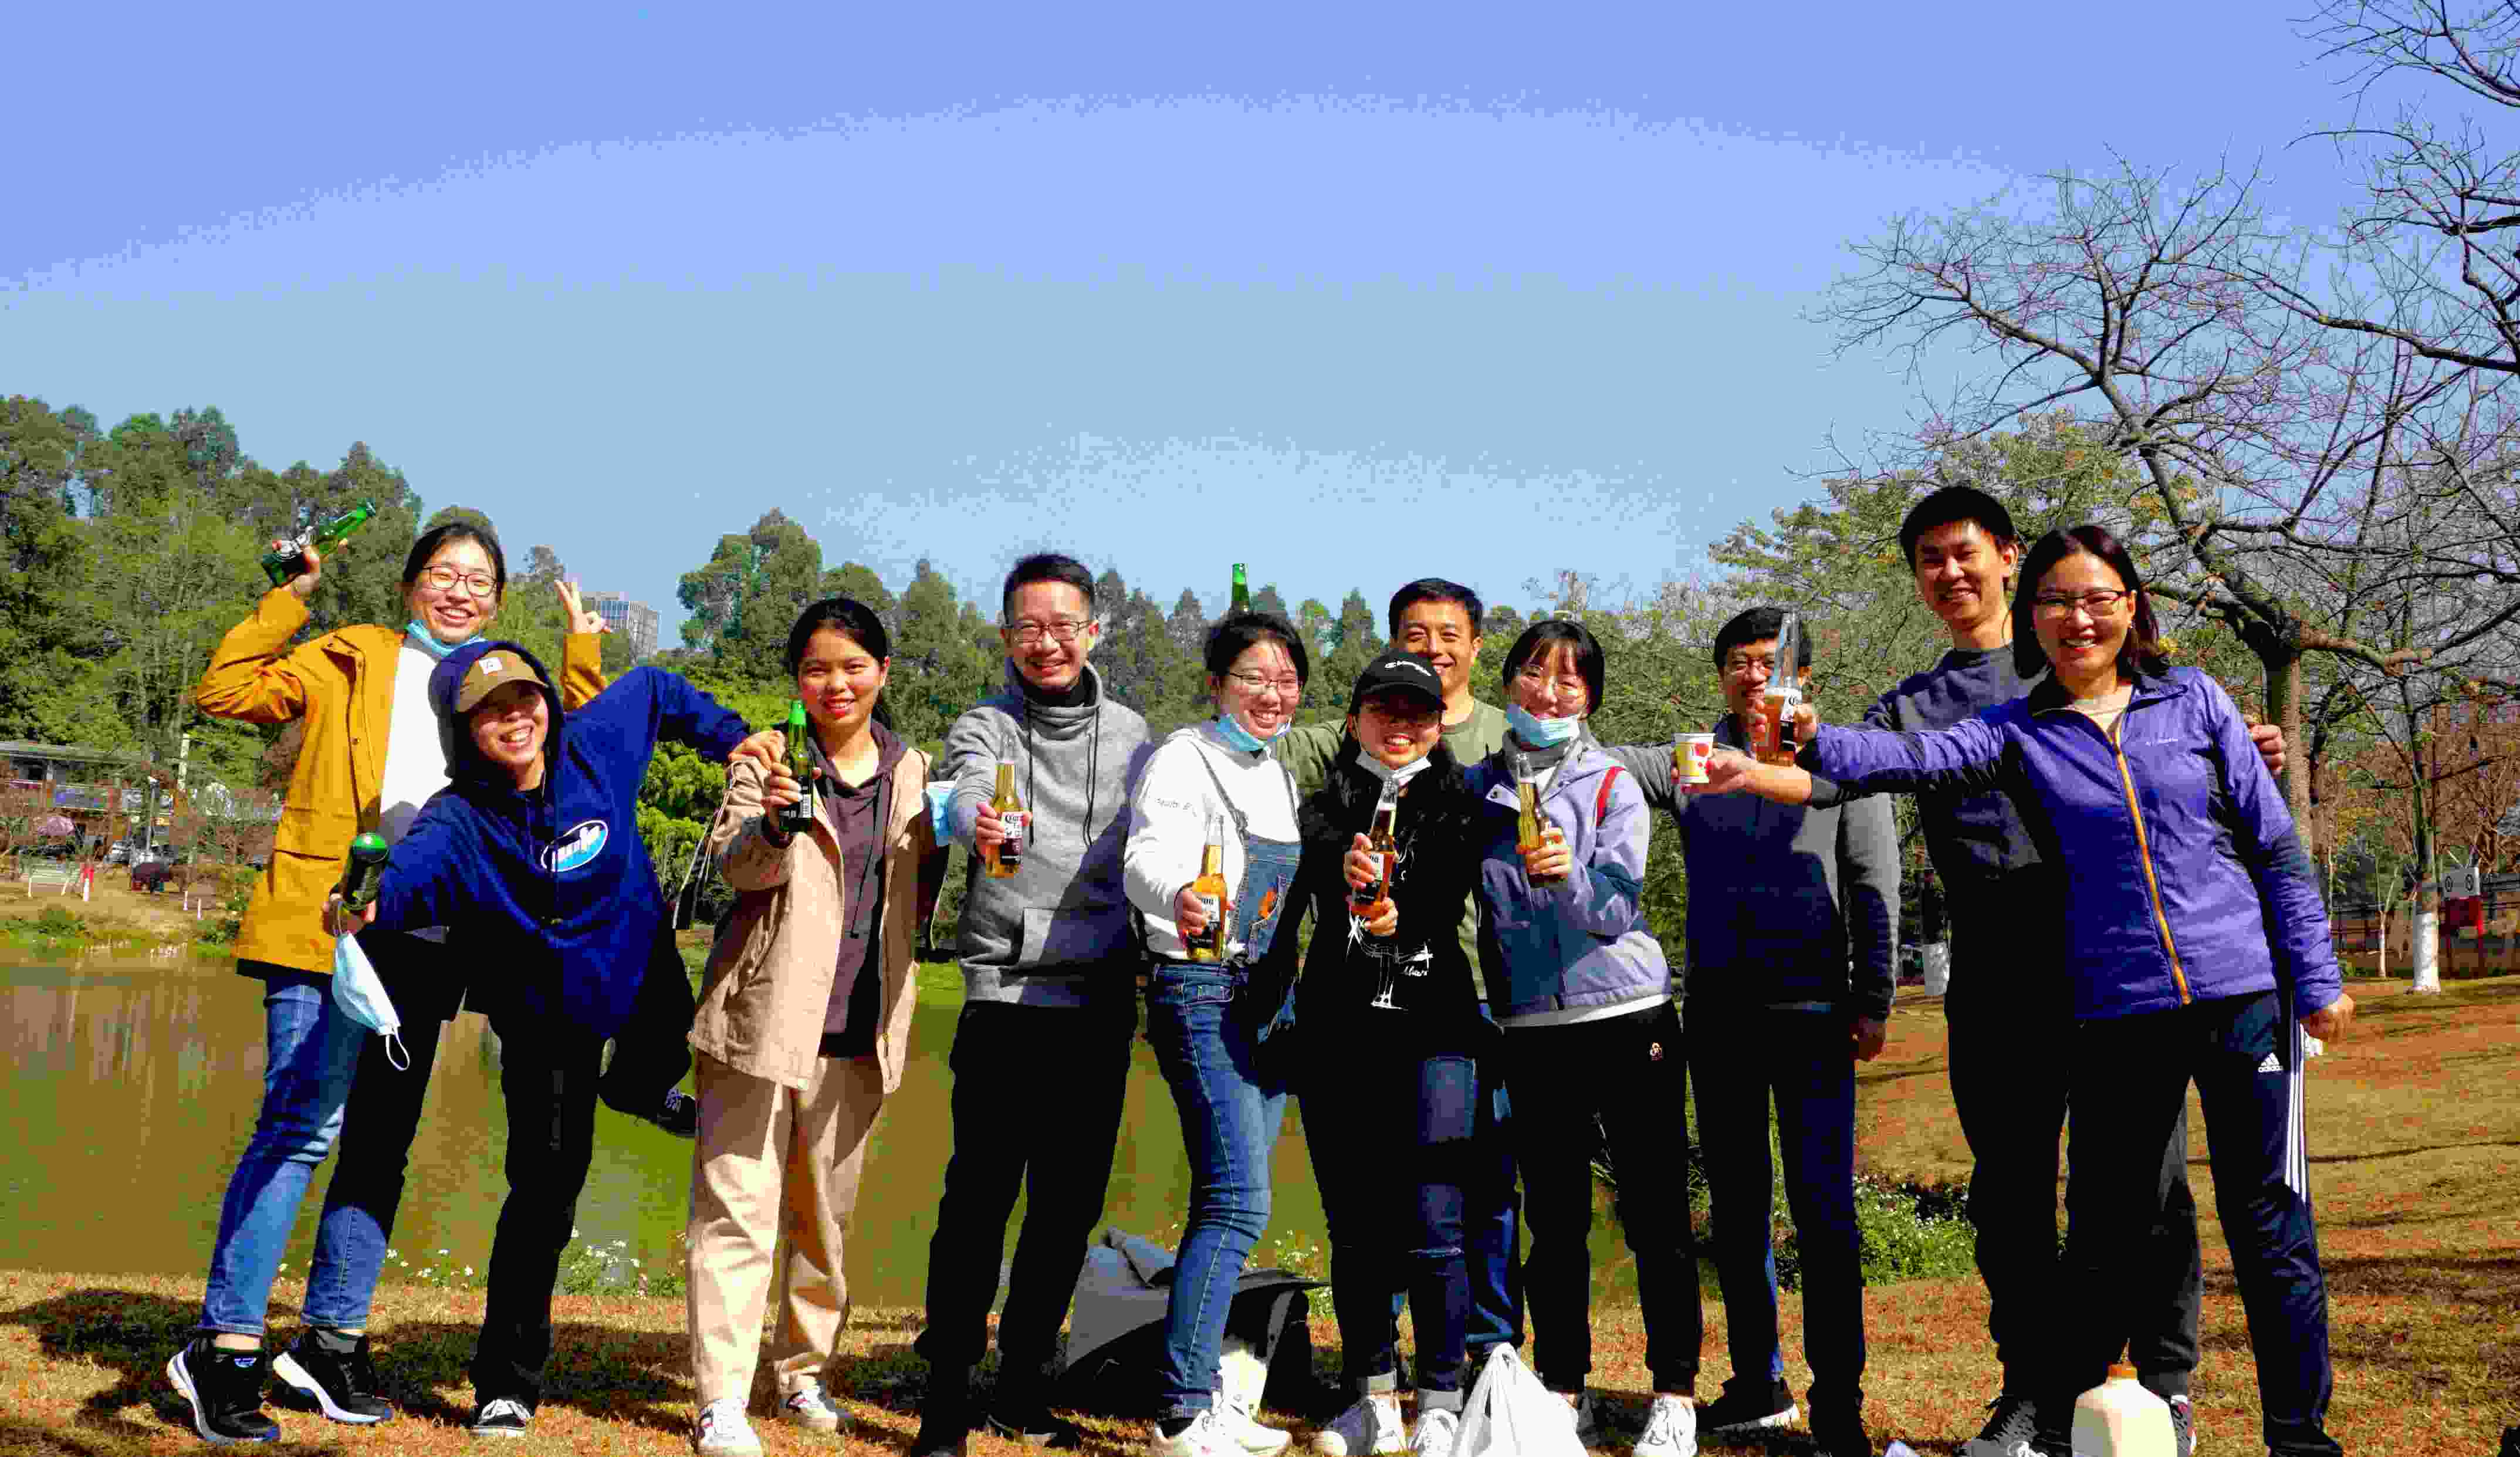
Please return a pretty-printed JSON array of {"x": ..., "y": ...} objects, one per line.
[
  {"x": 988, "y": 827},
  {"x": 340, "y": 921},
  {"x": 1363, "y": 865},
  {"x": 304, "y": 583},
  {"x": 1548, "y": 863},
  {"x": 1189, "y": 912}
]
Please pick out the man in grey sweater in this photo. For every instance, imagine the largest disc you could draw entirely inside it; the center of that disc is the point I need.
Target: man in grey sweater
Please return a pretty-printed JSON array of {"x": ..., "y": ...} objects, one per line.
[
  {"x": 1792, "y": 951},
  {"x": 1040, "y": 1053}
]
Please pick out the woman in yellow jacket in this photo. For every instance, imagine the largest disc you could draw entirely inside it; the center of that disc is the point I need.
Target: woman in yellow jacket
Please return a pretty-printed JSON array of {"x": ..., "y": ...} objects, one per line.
[
  {"x": 803, "y": 1027},
  {"x": 372, "y": 755}
]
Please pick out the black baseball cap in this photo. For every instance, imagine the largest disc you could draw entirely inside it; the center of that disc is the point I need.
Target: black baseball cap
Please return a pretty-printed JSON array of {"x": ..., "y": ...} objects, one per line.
[{"x": 1401, "y": 670}]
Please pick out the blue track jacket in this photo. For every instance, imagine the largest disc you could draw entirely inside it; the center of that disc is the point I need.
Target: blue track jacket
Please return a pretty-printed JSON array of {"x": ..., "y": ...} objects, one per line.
[
  {"x": 2184, "y": 880},
  {"x": 551, "y": 888}
]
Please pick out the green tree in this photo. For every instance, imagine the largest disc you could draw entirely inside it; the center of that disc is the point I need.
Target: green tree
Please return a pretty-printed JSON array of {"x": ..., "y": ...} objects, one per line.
[{"x": 747, "y": 595}]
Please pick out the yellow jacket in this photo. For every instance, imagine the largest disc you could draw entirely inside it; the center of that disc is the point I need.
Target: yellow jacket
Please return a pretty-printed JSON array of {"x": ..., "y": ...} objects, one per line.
[{"x": 342, "y": 684}]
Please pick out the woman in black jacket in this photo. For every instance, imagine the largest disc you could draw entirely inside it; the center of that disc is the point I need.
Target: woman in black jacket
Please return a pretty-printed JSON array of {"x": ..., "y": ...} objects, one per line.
[{"x": 1389, "y": 1028}]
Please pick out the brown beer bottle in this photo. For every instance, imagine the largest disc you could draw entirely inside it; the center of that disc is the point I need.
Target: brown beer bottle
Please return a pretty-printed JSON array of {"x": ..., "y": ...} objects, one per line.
[
  {"x": 1209, "y": 888},
  {"x": 1382, "y": 842},
  {"x": 1531, "y": 825},
  {"x": 1008, "y": 857},
  {"x": 1784, "y": 693}
]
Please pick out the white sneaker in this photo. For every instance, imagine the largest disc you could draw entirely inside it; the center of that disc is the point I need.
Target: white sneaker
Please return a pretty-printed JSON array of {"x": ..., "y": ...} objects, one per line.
[
  {"x": 723, "y": 1431},
  {"x": 1372, "y": 1426},
  {"x": 811, "y": 1407},
  {"x": 1437, "y": 1432},
  {"x": 1588, "y": 1421},
  {"x": 1202, "y": 1437},
  {"x": 1241, "y": 1429},
  {"x": 1671, "y": 1428}
]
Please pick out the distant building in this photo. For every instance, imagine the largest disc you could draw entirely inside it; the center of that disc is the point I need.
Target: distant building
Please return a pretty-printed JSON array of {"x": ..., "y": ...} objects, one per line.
[{"x": 636, "y": 622}]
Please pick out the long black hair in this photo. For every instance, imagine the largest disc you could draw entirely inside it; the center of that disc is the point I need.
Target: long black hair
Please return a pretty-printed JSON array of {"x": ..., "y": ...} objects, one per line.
[
  {"x": 2140, "y": 653},
  {"x": 853, "y": 619},
  {"x": 1540, "y": 636}
]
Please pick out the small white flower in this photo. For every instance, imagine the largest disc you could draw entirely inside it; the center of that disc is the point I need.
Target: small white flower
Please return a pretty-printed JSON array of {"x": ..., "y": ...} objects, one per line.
[{"x": 468, "y": 1269}]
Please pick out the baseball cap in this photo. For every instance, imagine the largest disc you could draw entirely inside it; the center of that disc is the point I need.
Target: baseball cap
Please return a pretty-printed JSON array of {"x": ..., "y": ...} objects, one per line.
[
  {"x": 492, "y": 669},
  {"x": 1397, "y": 669}
]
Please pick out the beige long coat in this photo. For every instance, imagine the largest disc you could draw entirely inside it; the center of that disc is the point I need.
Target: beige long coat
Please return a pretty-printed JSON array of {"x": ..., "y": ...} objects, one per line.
[{"x": 768, "y": 983}]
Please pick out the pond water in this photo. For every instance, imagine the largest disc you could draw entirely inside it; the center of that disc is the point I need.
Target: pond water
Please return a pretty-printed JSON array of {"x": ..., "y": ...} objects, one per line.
[{"x": 134, "y": 1083}]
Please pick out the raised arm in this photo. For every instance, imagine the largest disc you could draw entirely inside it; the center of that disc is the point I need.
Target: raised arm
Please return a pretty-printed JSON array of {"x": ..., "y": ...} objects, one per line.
[
  {"x": 1968, "y": 757},
  {"x": 250, "y": 677}
]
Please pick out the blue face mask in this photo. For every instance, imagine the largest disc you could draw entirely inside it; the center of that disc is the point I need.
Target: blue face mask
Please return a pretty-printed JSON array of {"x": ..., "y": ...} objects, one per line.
[
  {"x": 428, "y": 644},
  {"x": 1541, "y": 733},
  {"x": 359, "y": 995},
  {"x": 1243, "y": 738}
]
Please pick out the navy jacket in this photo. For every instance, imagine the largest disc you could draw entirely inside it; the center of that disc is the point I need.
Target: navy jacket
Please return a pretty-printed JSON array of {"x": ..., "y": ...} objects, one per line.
[
  {"x": 552, "y": 889},
  {"x": 2184, "y": 880}
]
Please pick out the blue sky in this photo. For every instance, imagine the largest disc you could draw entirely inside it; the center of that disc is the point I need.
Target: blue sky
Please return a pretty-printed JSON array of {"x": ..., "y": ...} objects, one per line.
[{"x": 1353, "y": 293}]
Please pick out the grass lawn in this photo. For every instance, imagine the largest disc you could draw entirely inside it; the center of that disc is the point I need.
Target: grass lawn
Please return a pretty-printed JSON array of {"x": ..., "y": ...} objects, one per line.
[{"x": 2415, "y": 1139}]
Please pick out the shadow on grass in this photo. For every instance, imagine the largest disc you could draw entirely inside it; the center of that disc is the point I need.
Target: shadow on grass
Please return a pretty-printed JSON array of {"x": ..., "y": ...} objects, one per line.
[
  {"x": 2430, "y": 1148},
  {"x": 130, "y": 1334}
]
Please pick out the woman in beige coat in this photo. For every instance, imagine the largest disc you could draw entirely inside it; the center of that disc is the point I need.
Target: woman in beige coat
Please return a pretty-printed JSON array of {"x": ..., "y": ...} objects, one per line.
[{"x": 803, "y": 1027}]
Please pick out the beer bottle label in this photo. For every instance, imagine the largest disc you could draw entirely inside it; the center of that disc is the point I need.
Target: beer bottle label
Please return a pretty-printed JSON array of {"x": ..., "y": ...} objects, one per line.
[
  {"x": 1214, "y": 910},
  {"x": 1019, "y": 823}
]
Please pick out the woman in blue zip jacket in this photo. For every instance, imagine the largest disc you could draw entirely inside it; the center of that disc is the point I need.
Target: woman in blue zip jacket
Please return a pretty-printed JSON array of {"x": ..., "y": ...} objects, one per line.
[
  {"x": 1591, "y": 1039},
  {"x": 533, "y": 850},
  {"x": 2196, "y": 945}
]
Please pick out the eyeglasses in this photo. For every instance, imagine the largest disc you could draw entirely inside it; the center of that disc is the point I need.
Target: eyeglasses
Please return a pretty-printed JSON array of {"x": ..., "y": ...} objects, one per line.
[
  {"x": 447, "y": 579},
  {"x": 1287, "y": 688},
  {"x": 2096, "y": 604},
  {"x": 1063, "y": 632},
  {"x": 1751, "y": 668},
  {"x": 1569, "y": 685}
]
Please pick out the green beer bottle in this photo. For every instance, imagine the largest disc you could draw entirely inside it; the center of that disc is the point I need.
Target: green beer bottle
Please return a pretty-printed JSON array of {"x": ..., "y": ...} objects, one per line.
[
  {"x": 797, "y": 817},
  {"x": 1241, "y": 602},
  {"x": 365, "y": 874},
  {"x": 289, "y": 561}
]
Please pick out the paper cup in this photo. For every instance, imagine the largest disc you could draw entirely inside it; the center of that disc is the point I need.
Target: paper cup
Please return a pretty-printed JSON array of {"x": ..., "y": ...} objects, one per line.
[{"x": 1688, "y": 757}]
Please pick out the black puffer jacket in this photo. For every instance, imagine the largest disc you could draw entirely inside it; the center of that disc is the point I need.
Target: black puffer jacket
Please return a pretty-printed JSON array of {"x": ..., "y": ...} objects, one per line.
[{"x": 1431, "y": 886}]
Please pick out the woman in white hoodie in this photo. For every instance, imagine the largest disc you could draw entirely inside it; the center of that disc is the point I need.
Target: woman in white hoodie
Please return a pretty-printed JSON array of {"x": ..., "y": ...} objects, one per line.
[{"x": 1215, "y": 785}]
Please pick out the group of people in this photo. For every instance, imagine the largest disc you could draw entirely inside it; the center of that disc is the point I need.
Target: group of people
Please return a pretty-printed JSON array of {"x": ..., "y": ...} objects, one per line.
[{"x": 1479, "y": 1010}]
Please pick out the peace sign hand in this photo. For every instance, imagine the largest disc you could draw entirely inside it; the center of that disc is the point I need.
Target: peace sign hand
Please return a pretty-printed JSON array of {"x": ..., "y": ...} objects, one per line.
[{"x": 581, "y": 618}]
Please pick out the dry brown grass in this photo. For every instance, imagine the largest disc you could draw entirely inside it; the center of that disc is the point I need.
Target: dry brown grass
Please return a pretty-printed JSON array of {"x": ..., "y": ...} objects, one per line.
[{"x": 2417, "y": 1138}]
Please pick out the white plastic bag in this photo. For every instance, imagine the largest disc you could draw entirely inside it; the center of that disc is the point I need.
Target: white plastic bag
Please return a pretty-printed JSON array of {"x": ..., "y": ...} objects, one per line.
[{"x": 1511, "y": 1414}]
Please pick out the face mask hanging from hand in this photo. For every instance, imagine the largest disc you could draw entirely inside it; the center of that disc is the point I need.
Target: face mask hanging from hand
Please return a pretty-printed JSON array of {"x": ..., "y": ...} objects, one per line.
[{"x": 359, "y": 994}]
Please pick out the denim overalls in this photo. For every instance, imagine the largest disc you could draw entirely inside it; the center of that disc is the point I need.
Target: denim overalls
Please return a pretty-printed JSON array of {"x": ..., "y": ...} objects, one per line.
[{"x": 1205, "y": 1019}]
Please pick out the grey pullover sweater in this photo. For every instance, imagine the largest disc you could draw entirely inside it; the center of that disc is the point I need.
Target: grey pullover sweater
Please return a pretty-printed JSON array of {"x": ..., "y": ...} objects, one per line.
[{"x": 1056, "y": 933}]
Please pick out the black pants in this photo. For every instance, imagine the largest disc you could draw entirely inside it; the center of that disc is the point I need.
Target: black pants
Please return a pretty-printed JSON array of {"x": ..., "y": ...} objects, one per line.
[
  {"x": 1627, "y": 1072},
  {"x": 2010, "y": 1083},
  {"x": 547, "y": 1078},
  {"x": 1037, "y": 1100},
  {"x": 1391, "y": 1121},
  {"x": 652, "y": 1052},
  {"x": 2130, "y": 1087}
]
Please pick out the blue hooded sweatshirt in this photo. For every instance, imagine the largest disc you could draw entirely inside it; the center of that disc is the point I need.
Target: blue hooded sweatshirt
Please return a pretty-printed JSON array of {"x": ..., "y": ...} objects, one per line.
[{"x": 551, "y": 887}]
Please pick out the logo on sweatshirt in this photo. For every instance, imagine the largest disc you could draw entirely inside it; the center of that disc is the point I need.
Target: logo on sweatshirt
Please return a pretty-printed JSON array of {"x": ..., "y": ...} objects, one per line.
[{"x": 583, "y": 843}]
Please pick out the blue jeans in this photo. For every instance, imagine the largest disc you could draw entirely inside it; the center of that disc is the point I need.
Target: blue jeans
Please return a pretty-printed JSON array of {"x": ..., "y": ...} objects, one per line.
[
  {"x": 1205, "y": 1036},
  {"x": 309, "y": 1053},
  {"x": 1805, "y": 1061}
]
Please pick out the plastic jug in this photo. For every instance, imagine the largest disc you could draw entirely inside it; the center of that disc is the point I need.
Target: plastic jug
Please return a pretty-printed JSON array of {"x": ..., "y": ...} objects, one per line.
[{"x": 2119, "y": 1418}]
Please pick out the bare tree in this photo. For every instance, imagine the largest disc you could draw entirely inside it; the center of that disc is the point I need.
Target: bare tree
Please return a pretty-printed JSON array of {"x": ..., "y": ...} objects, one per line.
[{"x": 2269, "y": 453}]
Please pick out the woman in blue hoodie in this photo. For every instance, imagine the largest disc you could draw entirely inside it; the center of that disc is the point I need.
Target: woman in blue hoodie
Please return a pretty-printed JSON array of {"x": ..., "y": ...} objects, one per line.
[
  {"x": 1591, "y": 1039},
  {"x": 533, "y": 848},
  {"x": 2193, "y": 940}
]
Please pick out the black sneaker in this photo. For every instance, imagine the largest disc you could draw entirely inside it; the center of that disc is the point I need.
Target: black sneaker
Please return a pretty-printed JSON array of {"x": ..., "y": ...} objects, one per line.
[
  {"x": 332, "y": 1371},
  {"x": 224, "y": 1389},
  {"x": 2012, "y": 1430},
  {"x": 944, "y": 1429},
  {"x": 1031, "y": 1423},
  {"x": 1841, "y": 1435},
  {"x": 1744, "y": 1407},
  {"x": 2511, "y": 1441},
  {"x": 502, "y": 1416}
]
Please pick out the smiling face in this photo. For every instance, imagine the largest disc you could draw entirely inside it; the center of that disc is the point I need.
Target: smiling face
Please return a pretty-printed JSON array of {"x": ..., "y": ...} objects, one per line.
[
  {"x": 1042, "y": 611},
  {"x": 837, "y": 681},
  {"x": 1960, "y": 573},
  {"x": 1261, "y": 689},
  {"x": 2081, "y": 636},
  {"x": 1747, "y": 670},
  {"x": 450, "y": 610},
  {"x": 1547, "y": 685},
  {"x": 1398, "y": 728},
  {"x": 508, "y": 727},
  {"x": 1441, "y": 632}
]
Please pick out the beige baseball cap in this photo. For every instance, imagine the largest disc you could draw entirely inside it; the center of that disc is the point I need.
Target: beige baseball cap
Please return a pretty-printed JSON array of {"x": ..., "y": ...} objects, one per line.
[{"x": 485, "y": 676}]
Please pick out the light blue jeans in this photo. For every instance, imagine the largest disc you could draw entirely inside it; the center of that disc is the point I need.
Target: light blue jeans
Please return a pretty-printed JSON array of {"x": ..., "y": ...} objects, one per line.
[{"x": 310, "y": 1051}]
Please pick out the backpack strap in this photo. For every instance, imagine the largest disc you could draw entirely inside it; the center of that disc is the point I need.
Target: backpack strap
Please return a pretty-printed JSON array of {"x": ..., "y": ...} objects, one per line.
[{"x": 1601, "y": 800}]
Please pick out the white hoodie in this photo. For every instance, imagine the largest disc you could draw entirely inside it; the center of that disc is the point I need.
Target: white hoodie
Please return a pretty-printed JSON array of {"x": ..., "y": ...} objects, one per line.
[{"x": 1168, "y": 818}]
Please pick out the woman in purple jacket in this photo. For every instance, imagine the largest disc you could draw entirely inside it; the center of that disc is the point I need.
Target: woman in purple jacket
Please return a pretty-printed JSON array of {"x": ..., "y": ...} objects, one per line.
[{"x": 2195, "y": 946}]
